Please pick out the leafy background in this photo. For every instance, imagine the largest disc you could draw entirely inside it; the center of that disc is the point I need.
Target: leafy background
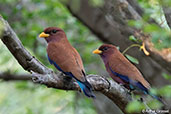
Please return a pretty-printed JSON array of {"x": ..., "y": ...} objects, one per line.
[{"x": 28, "y": 18}]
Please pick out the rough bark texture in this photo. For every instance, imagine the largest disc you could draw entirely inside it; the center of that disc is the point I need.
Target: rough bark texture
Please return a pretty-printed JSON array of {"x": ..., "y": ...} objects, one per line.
[
  {"x": 109, "y": 24},
  {"x": 167, "y": 12},
  {"x": 43, "y": 75},
  {"x": 12, "y": 77}
]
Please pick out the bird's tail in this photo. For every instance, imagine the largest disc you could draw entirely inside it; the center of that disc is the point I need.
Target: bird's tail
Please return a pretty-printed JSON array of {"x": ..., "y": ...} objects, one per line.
[{"x": 86, "y": 88}]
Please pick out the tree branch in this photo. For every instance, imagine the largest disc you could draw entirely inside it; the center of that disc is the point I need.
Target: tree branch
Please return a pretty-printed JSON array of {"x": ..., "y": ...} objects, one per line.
[
  {"x": 167, "y": 13},
  {"x": 12, "y": 77},
  {"x": 43, "y": 75},
  {"x": 111, "y": 89},
  {"x": 109, "y": 24},
  {"x": 24, "y": 58}
]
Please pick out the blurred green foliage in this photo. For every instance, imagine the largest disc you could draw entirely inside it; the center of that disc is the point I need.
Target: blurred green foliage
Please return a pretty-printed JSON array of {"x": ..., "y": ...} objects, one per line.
[
  {"x": 131, "y": 106},
  {"x": 1, "y": 27},
  {"x": 28, "y": 18},
  {"x": 166, "y": 76},
  {"x": 96, "y": 3},
  {"x": 165, "y": 91},
  {"x": 160, "y": 32}
]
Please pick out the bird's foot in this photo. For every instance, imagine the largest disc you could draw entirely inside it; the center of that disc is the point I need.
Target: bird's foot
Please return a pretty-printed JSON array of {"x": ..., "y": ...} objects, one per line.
[
  {"x": 121, "y": 84},
  {"x": 108, "y": 83},
  {"x": 129, "y": 92},
  {"x": 141, "y": 99}
]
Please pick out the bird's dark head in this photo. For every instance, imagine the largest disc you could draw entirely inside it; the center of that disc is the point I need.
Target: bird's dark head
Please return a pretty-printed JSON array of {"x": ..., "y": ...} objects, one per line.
[
  {"x": 52, "y": 34},
  {"x": 105, "y": 50}
]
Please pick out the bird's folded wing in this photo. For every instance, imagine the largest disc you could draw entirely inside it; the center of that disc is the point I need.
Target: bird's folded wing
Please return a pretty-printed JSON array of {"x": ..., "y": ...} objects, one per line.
[
  {"x": 119, "y": 64},
  {"x": 66, "y": 60}
]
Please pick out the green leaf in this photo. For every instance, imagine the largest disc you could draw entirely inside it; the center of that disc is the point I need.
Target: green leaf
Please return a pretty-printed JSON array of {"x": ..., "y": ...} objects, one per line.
[
  {"x": 132, "y": 38},
  {"x": 132, "y": 59}
]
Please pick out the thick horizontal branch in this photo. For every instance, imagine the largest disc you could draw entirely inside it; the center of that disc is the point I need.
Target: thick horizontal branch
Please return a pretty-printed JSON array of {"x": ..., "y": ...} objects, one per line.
[
  {"x": 111, "y": 89},
  {"x": 43, "y": 75}
]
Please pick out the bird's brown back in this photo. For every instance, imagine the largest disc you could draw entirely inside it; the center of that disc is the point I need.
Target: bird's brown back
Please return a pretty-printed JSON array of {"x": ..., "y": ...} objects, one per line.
[{"x": 122, "y": 66}]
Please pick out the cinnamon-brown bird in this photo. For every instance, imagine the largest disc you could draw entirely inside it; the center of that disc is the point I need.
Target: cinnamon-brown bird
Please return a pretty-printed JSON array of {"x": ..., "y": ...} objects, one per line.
[
  {"x": 65, "y": 57},
  {"x": 121, "y": 70}
]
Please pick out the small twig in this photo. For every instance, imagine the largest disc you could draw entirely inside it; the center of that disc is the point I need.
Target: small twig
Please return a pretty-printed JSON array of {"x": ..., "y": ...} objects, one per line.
[{"x": 133, "y": 45}]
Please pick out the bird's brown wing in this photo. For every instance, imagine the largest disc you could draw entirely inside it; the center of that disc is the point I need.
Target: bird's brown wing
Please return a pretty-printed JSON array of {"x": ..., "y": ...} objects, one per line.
[
  {"x": 121, "y": 65},
  {"x": 67, "y": 58},
  {"x": 78, "y": 59}
]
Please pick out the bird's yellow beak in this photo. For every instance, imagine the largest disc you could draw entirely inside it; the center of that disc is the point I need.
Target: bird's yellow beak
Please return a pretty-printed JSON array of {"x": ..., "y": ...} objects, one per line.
[
  {"x": 97, "y": 51},
  {"x": 43, "y": 35}
]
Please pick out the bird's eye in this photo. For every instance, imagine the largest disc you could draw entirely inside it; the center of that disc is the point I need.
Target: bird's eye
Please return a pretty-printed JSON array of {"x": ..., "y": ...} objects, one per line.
[
  {"x": 105, "y": 48},
  {"x": 54, "y": 31}
]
